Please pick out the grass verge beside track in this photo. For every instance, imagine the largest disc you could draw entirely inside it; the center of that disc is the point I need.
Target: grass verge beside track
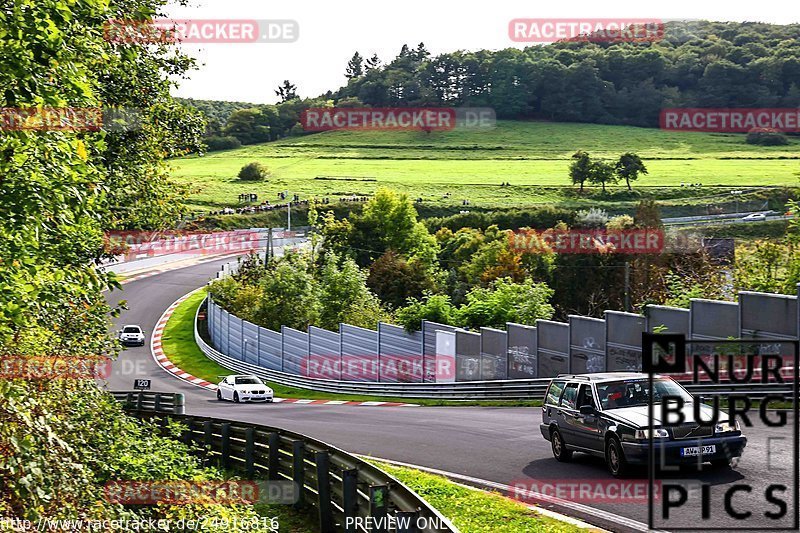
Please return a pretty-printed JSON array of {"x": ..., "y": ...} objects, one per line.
[
  {"x": 472, "y": 510},
  {"x": 180, "y": 348}
]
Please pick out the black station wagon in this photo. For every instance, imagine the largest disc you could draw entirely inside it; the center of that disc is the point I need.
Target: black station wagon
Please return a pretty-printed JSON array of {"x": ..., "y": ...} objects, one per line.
[{"x": 606, "y": 414}]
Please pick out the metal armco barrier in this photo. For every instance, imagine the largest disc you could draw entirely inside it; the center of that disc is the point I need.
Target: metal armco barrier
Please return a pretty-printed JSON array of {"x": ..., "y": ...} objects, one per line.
[
  {"x": 336, "y": 484},
  {"x": 162, "y": 402}
]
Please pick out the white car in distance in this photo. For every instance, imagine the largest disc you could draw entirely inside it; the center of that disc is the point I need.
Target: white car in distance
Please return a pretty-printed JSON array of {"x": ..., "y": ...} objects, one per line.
[
  {"x": 755, "y": 217},
  {"x": 244, "y": 388},
  {"x": 131, "y": 336}
]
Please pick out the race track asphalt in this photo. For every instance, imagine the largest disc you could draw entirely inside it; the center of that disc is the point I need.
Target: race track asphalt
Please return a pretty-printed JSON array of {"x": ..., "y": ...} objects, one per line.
[{"x": 501, "y": 445}]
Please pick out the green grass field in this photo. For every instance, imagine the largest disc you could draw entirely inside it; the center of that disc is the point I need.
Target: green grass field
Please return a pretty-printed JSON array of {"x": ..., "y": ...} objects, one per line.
[{"x": 472, "y": 164}]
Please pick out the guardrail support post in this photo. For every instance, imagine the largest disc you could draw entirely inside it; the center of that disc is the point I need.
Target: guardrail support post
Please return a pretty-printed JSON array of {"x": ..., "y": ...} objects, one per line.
[
  {"x": 324, "y": 492},
  {"x": 139, "y": 401},
  {"x": 179, "y": 404},
  {"x": 186, "y": 434},
  {"x": 407, "y": 521},
  {"x": 249, "y": 452},
  {"x": 207, "y": 436},
  {"x": 157, "y": 402},
  {"x": 350, "y": 497},
  {"x": 378, "y": 501},
  {"x": 129, "y": 400},
  {"x": 226, "y": 445},
  {"x": 273, "y": 463},
  {"x": 298, "y": 471}
]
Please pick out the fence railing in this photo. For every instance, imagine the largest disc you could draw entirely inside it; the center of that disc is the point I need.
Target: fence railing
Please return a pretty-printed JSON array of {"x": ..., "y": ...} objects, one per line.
[
  {"x": 162, "y": 402},
  {"x": 338, "y": 486}
]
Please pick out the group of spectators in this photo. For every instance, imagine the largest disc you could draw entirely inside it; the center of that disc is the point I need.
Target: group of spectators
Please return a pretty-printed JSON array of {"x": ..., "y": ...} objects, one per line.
[{"x": 267, "y": 206}]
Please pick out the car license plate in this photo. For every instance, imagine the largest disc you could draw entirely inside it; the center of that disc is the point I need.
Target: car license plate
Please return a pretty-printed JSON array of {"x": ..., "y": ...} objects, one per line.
[{"x": 698, "y": 450}]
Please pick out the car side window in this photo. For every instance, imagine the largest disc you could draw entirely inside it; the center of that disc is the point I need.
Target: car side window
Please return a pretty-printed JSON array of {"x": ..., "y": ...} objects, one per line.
[
  {"x": 585, "y": 397},
  {"x": 554, "y": 392},
  {"x": 569, "y": 396}
]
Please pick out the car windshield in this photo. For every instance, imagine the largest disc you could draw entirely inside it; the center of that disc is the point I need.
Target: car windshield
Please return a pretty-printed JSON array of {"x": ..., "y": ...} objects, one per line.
[
  {"x": 131, "y": 329},
  {"x": 635, "y": 392},
  {"x": 248, "y": 381}
]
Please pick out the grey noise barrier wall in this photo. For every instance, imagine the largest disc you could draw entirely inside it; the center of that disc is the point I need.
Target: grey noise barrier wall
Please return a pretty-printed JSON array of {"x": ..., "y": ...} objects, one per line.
[
  {"x": 521, "y": 353},
  {"x": 325, "y": 357},
  {"x": 494, "y": 353},
  {"x": 587, "y": 344},
  {"x": 523, "y": 361},
  {"x": 429, "y": 347},
  {"x": 468, "y": 356},
  {"x": 765, "y": 315},
  {"x": 624, "y": 341},
  {"x": 401, "y": 354},
  {"x": 359, "y": 353},
  {"x": 713, "y": 320},
  {"x": 295, "y": 351},
  {"x": 667, "y": 319},
  {"x": 552, "y": 343}
]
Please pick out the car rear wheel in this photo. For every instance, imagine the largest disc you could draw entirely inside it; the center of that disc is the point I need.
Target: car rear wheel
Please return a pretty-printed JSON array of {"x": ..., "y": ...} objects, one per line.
[
  {"x": 560, "y": 451},
  {"x": 236, "y": 397},
  {"x": 615, "y": 458},
  {"x": 721, "y": 463}
]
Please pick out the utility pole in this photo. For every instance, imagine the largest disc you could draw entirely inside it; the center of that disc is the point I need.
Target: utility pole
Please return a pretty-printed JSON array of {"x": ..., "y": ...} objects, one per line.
[
  {"x": 288, "y": 211},
  {"x": 627, "y": 286}
]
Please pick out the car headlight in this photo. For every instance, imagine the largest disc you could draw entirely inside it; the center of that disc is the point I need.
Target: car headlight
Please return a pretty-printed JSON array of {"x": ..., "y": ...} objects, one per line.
[
  {"x": 725, "y": 427},
  {"x": 658, "y": 433}
]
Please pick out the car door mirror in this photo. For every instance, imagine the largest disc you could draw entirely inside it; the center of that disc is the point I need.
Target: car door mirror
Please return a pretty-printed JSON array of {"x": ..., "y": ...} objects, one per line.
[{"x": 586, "y": 410}]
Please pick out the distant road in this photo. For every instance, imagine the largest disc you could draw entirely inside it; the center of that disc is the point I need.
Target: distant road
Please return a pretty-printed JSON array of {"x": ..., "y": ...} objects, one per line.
[{"x": 727, "y": 218}]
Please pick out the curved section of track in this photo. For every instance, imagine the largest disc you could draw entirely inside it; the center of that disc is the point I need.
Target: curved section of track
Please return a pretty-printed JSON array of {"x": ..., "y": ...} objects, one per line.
[{"x": 500, "y": 445}]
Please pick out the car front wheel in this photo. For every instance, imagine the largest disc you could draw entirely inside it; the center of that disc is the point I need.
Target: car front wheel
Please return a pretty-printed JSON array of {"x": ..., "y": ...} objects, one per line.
[
  {"x": 615, "y": 458},
  {"x": 236, "y": 397},
  {"x": 219, "y": 395},
  {"x": 560, "y": 451}
]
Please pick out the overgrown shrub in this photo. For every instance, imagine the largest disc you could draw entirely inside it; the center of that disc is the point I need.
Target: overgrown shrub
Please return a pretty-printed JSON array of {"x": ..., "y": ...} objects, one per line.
[
  {"x": 766, "y": 137},
  {"x": 217, "y": 142},
  {"x": 254, "y": 171}
]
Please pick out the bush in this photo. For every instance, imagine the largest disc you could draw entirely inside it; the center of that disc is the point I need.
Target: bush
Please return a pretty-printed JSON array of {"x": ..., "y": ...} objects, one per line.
[
  {"x": 766, "y": 137},
  {"x": 217, "y": 142},
  {"x": 254, "y": 171}
]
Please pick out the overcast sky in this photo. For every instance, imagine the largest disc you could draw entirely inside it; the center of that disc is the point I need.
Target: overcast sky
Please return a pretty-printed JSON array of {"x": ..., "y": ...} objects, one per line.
[{"x": 330, "y": 31}]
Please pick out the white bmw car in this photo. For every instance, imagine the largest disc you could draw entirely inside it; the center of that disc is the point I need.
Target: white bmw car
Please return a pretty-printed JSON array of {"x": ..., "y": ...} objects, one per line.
[
  {"x": 244, "y": 388},
  {"x": 131, "y": 336}
]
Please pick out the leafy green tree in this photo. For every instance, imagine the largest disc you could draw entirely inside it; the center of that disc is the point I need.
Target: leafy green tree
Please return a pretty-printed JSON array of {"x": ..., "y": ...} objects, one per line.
[
  {"x": 286, "y": 91},
  {"x": 290, "y": 296},
  {"x": 601, "y": 172},
  {"x": 389, "y": 222},
  {"x": 344, "y": 296},
  {"x": 506, "y": 301},
  {"x": 254, "y": 171},
  {"x": 580, "y": 170},
  {"x": 628, "y": 168},
  {"x": 394, "y": 279},
  {"x": 432, "y": 307},
  {"x": 355, "y": 67}
]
